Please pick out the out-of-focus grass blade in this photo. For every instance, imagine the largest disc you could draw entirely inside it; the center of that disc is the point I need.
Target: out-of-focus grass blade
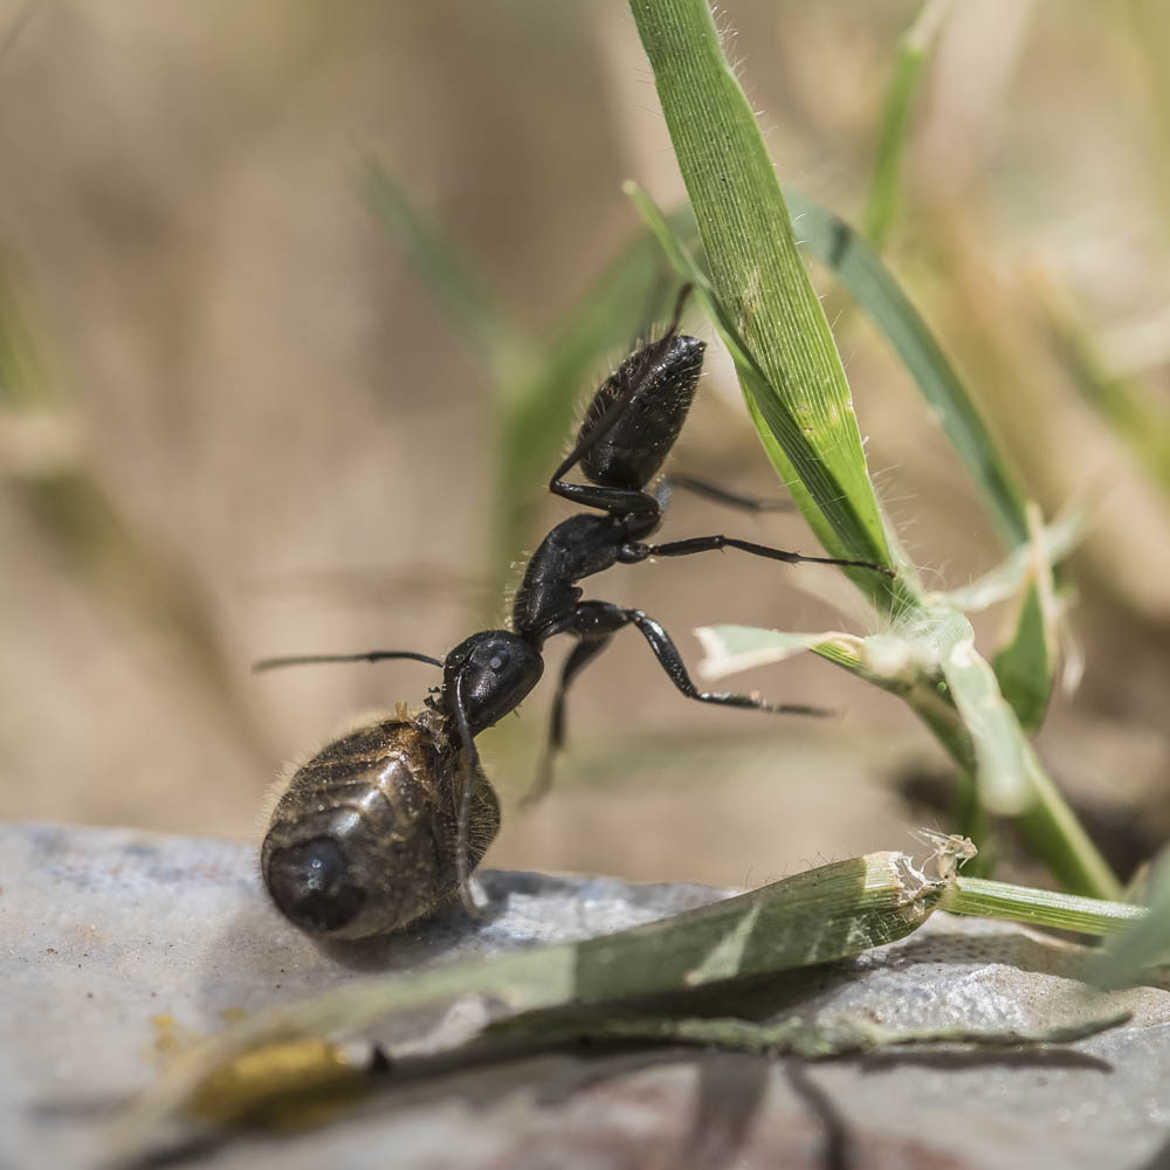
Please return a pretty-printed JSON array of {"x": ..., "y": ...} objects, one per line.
[
  {"x": 535, "y": 412},
  {"x": 1009, "y": 777},
  {"x": 875, "y": 289},
  {"x": 41, "y": 450},
  {"x": 1149, "y": 23},
  {"x": 1025, "y": 665},
  {"x": 757, "y": 276},
  {"x": 1145, "y": 944},
  {"x": 535, "y": 383},
  {"x": 469, "y": 305},
  {"x": 1123, "y": 402},
  {"x": 23, "y": 382},
  {"x": 885, "y": 187}
]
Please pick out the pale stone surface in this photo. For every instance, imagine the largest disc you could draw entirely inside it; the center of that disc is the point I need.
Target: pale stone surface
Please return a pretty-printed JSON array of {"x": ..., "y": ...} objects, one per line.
[{"x": 101, "y": 931}]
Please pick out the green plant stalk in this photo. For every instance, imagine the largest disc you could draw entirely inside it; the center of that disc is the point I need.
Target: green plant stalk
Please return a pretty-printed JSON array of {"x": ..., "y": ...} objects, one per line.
[
  {"x": 758, "y": 276},
  {"x": 1122, "y": 402},
  {"x": 987, "y": 899},
  {"x": 885, "y": 187}
]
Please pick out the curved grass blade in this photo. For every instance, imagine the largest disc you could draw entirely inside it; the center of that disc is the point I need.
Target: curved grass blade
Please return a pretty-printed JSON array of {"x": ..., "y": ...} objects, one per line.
[
  {"x": 461, "y": 293},
  {"x": 885, "y": 188},
  {"x": 535, "y": 412},
  {"x": 1146, "y": 944},
  {"x": 1123, "y": 402},
  {"x": 758, "y": 281}
]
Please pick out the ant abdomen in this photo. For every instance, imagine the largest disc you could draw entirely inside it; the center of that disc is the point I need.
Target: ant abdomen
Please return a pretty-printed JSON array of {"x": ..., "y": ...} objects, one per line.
[
  {"x": 365, "y": 840},
  {"x": 634, "y": 447}
]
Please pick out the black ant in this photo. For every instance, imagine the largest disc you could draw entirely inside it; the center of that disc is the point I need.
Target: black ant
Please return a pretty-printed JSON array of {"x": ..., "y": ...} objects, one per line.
[{"x": 387, "y": 823}]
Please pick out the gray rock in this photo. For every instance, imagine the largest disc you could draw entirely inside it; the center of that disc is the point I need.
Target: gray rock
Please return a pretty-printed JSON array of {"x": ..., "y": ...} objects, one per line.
[{"x": 112, "y": 938}]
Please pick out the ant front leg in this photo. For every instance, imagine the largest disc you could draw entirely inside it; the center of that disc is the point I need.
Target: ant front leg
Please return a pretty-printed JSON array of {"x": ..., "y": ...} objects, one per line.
[
  {"x": 633, "y": 553},
  {"x": 579, "y": 657},
  {"x": 601, "y": 617}
]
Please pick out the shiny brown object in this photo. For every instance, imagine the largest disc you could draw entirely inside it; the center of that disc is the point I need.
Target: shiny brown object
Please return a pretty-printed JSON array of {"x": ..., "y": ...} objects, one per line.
[{"x": 365, "y": 839}]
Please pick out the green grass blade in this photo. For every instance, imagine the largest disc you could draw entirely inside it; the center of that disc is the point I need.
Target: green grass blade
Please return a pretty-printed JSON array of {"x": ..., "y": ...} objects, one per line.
[
  {"x": 875, "y": 289},
  {"x": 759, "y": 280},
  {"x": 1001, "y": 763},
  {"x": 885, "y": 188}
]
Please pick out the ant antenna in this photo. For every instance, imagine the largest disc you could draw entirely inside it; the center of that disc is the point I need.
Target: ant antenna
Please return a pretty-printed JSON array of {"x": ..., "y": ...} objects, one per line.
[{"x": 368, "y": 656}]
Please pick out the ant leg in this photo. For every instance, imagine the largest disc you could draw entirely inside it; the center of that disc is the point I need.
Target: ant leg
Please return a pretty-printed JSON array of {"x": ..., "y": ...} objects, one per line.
[
  {"x": 597, "y": 615},
  {"x": 615, "y": 501},
  {"x": 633, "y": 553},
  {"x": 712, "y": 491},
  {"x": 582, "y": 654}
]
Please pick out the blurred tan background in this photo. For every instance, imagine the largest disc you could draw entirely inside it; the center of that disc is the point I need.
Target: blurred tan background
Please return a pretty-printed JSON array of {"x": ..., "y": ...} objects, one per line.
[{"x": 235, "y": 423}]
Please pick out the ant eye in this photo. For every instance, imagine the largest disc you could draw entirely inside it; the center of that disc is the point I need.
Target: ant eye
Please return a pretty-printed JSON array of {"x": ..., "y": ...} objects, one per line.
[{"x": 498, "y": 662}]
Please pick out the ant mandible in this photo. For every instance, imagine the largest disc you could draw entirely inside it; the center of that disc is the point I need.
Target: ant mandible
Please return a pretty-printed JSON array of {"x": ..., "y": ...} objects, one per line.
[{"x": 387, "y": 823}]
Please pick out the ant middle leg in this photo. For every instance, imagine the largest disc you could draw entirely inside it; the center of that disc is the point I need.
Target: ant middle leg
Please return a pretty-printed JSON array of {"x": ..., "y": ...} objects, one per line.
[{"x": 635, "y": 552}]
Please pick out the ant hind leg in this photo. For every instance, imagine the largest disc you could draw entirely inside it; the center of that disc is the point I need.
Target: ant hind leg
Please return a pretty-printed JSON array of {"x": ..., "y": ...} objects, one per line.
[{"x": 720, "y": 495}]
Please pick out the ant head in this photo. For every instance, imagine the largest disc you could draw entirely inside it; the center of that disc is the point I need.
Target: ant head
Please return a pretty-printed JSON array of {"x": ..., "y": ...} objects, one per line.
[{"x": 491, "y": 672}]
